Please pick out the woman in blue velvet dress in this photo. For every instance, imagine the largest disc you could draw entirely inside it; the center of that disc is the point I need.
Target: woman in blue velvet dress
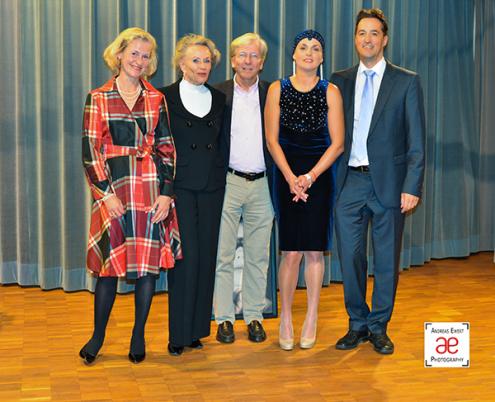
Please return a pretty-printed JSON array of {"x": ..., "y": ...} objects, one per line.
[{"x": 304, "y": 122}]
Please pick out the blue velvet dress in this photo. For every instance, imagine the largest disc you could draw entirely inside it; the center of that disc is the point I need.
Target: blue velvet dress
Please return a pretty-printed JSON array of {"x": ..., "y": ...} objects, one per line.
[{"x": 304, "y": 137}]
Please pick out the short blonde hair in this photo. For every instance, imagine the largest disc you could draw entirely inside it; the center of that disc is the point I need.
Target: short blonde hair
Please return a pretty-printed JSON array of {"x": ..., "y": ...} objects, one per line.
[
  {"x": 195, "y": 40},
  {"x": 120, "y": 43},
  {"x": 247, "y": 39}
]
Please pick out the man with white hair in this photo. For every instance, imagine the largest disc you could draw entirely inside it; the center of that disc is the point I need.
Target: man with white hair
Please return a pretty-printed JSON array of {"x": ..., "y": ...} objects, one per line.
[{"x": 247, "y": 193}]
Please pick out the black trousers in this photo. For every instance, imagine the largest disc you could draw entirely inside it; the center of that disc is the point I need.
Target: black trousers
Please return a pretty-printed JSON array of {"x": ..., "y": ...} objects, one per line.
[{"x": 191, "y": 281}]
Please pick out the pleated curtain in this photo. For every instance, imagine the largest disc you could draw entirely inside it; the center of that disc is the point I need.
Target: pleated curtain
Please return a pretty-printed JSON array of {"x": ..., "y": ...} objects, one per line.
[{"x": 51, "y": 57}]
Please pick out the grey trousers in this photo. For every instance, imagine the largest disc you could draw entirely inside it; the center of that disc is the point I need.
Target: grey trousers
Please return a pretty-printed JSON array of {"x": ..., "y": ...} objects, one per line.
[{"x": 251, "y": 201}]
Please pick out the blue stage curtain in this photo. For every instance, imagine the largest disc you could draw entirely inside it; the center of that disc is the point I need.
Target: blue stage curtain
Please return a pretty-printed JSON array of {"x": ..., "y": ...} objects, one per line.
[{"x": 52, "y": 57}]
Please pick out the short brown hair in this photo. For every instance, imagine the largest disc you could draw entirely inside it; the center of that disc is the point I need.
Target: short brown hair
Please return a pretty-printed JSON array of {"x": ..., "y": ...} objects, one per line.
[{"x": 372, "y": 13}]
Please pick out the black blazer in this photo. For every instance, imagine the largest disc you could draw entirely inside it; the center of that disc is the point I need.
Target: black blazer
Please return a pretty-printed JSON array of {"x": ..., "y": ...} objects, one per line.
[
  {"x": 200, "y": 164},
  {"x": 396, "y": 140},
  {"x": 227, "y": 87}
]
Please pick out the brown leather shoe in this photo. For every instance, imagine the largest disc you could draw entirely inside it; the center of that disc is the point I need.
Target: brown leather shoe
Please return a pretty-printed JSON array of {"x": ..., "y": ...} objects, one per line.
[{"x": 256, "y": 333}]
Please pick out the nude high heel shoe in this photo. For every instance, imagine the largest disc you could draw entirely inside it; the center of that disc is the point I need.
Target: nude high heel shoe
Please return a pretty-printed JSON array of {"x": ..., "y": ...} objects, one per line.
[
  {"x": 308, "y": 343},
  {"x": 286, "y": 344}
]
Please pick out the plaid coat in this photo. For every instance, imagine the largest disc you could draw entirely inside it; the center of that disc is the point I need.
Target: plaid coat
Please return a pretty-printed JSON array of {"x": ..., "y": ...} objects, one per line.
[{"x": 130, "y": 154}]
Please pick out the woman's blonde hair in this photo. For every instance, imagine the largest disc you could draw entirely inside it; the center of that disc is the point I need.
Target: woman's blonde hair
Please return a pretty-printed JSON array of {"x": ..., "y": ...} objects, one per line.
[
  {"x": 247, "y": 39},
  {"x": 122, "y": 41},
  {"x": 195, "y": 40}
]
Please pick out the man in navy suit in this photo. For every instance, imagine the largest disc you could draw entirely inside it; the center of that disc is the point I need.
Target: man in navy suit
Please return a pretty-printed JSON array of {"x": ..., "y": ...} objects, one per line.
[
  {"x": 379, "y": 178},
  {"x": 247, "y": 193}
]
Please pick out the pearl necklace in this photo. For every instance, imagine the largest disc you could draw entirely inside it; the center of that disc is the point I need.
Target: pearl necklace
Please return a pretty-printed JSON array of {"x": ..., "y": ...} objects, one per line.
[{"x": 129, "y": 97}]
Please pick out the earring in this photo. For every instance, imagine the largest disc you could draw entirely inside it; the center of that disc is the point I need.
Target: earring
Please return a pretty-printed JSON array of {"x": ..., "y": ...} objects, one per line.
[
  {"x": 293, "y": 67},
  {"x": 321, "y": 71}
]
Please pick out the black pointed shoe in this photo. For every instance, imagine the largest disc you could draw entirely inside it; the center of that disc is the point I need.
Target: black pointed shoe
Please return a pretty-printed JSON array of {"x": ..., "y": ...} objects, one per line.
[
  {"x": 87, "y": 357},
  {"x": 140, "y": 345},
  {"x": 175, "y": 350},
  {"x": 382, "y": 344},
  {"x": 225, "y": 332},
  {"x": 256, "y": 333},
  {"x": 136, "y": 358},
  {"x": 196, "y": 344},
  {"x": 352, "y": 339}
]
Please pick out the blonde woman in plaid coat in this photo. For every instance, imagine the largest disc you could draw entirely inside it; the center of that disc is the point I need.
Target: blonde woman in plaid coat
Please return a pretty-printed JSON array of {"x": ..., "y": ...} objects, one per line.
[{"x": 129, "y": 161}]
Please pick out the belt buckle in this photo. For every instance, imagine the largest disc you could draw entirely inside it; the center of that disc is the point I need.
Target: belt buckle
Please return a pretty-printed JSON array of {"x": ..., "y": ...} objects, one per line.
[
  {"x": 362, "y": 168},
  {"x": 250, "y": 176}
]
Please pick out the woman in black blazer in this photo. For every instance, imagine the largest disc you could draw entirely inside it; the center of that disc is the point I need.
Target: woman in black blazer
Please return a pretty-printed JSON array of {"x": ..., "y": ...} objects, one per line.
[{"x": 196, "y": 113}]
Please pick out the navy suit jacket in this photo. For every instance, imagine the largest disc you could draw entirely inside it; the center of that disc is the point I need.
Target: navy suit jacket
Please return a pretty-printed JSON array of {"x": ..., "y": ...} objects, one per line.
[
  {"x": 227, "y": 87},
  {"x": 396, "y": 139}
]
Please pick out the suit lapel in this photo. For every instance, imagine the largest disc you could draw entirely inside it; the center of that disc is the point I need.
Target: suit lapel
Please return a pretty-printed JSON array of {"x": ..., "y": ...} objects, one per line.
[
  {"x": 229, "y": 93},
  {"x": 229, "y": 100},
  {"x": 349, "y": 96},
  {"x": 262, "y": 90},
  {"x": 386, "y": 87}
]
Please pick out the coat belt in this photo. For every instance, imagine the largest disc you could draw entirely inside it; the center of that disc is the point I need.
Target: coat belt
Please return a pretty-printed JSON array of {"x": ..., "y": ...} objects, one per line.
[{"x": 114, "y": 151}]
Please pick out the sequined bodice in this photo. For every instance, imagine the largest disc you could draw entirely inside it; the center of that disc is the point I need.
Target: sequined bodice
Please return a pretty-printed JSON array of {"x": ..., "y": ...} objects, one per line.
[{"x": 303, "y": 118}]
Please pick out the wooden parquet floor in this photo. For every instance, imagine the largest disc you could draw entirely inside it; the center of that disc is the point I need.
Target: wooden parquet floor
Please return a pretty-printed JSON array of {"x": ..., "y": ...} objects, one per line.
[{"x": 41, "y": 333}]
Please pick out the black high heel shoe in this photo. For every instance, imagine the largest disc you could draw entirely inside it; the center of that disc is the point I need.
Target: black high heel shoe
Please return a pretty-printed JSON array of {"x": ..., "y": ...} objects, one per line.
[
  {"x": 87, "y": 357},
  {"x": 136, "y": 358}
]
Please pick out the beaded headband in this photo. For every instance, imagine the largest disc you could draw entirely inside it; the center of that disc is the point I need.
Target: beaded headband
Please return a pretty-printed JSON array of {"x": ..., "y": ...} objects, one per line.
[{"x": 308, "y": 34}]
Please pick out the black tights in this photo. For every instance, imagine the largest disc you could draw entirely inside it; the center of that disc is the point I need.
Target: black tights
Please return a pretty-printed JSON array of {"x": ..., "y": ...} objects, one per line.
[
  {"x": 105, "y": 292},
  {"x": 145, "y": 289}
]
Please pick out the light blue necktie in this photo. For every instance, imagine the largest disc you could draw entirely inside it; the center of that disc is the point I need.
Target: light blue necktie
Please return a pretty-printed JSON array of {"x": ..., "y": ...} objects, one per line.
[{"x": 366, "y": 111}]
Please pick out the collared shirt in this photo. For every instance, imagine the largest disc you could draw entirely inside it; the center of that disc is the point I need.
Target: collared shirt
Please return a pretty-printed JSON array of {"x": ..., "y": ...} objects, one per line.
[
  {"x": 379, "y": 69},
  {"x": 195, "y": 98},
  {"x": 246, "y": 135}
]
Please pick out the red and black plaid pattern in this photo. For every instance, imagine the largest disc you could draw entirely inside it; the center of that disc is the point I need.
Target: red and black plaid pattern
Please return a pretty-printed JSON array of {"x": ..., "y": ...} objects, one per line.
[{"x": 130, "y": 154}]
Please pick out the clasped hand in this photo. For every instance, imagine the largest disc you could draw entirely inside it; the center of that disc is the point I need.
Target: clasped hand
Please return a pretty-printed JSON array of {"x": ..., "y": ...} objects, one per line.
[{"x": 299, "y": 187}]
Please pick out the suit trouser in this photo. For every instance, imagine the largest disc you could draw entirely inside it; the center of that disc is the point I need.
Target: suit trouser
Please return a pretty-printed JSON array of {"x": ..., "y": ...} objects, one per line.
[
  {"x": 357, "y": 206},
  {"x": 191, "y": 281},
  {"x": 251, "y": 200}
]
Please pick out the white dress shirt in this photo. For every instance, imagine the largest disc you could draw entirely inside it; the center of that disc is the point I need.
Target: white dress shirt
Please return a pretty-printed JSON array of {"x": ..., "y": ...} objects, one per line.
[
  {"x": 246, "y": 135},
  {"x": 379, "y": 69},
  {"x": 195, "y": 98}
]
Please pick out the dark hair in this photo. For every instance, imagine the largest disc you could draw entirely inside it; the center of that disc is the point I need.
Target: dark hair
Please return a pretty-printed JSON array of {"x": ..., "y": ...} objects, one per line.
[{"x": 372, "y": 13}]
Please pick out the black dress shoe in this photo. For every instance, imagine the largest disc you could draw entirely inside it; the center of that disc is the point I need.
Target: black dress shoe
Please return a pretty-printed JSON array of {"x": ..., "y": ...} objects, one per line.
[
  {"x": 256, "y": 333},
  {"x": 196, "y": 344},
  {"x": 225, "y": 332},
  {"x": 174, "y": 350},
  {"x": 87, "y": 357},
  {"x": 136, "y": 358},
  {"x": 352, "y": 339},
  {"x": 382, "y": 344}
]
